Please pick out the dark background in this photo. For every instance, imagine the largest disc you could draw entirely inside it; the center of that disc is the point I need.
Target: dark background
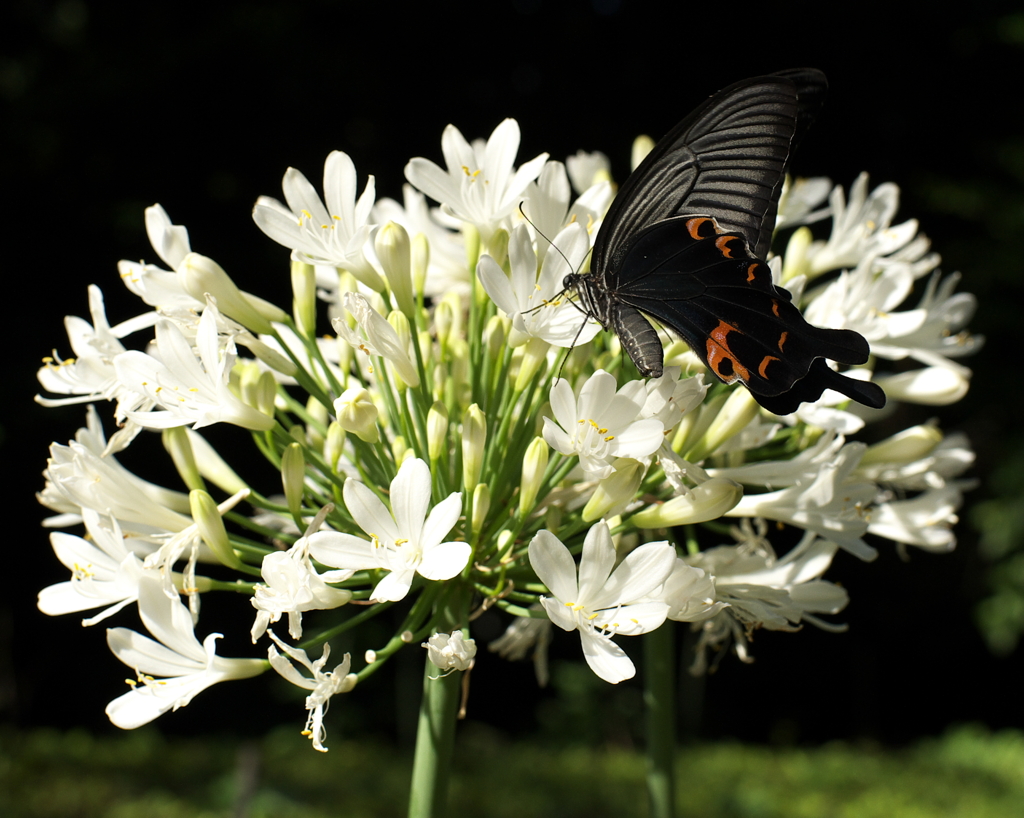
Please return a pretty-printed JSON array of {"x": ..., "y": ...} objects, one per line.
[{"x": 201, "y": 108}]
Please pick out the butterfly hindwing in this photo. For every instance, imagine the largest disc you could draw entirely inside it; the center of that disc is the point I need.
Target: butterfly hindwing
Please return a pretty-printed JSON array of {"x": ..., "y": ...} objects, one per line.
[{"x": 707, "y": 288}]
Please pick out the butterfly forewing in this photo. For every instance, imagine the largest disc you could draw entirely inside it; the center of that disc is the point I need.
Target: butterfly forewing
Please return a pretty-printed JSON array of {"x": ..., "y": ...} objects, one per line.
[{"x": 725, "y": 160}]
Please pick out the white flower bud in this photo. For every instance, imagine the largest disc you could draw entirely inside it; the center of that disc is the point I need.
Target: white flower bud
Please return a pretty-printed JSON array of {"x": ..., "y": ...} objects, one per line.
[
  {"x": 708, "y": 501},
  {"x": 437, "y": 431},
  {"x": 211, "y": 527},
  {"x": 905, "y": 447},
  {"x": 304, "y": 297},
  {"x": 357, "y": 414},
  {"x": 293, "y": 477},
  {"x": 735, "y": 415},
  {"x": 200, "y": 275},
  {"x": 474, "y": 438},
  {"x": 176, "y": 442},
  {"x": 420, "y": 261},
  {"x": 393, "y": 251},
  {"x": 481, "y": 505},
  {"x": 535, "y": 463},
  {"x": 930, "y": 386},
  {"x": 616, "y": 490},
  {"x": 334, "y": 445}
]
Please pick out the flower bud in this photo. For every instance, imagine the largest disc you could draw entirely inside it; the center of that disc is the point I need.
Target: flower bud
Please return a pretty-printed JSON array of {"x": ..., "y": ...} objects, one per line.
[
  {"x": 494, "y": 337},
  {"x": 795, "y": 262},
  {"x": 481, "y": 505},
  {"x": 293, "y": 477},
  {"x": 200, "y": 275},
  {"x": 304, "y": 297},
  {"x": 176, "y": 442},
  {"x": 211, "y": 527},
  {"x": 497, "y": 247},
  {"x": 535, "y": 464},
  {"x": 400, "y": 449},
  {"x": 437, "y": 431},
  {"x": 905, "y": 447},
  {"x": 443, "y": 319},
  {"x": 642, "y": 146},
  {"x": 393, "y": 251},
  {"x": 474, "y": 438},
  {"x": 400, "y": 324},
  {"x": 212, "y": 466},
  {"x": 708, "y": 501},
  {"x": 534, "y": 354},
  {"x": 735, "y": 415},
  {"x": 471, "y": 241},
  {"x": 357, "y": 414},
  {"x": 420, "y": 261},
  {"x": 616, "y": 490},
  {"x": 270, "y": 356},
  {"x": 266, "y": 394},
  {"x": 334, "y": 444},
  {"x": 930, "y": 386}
]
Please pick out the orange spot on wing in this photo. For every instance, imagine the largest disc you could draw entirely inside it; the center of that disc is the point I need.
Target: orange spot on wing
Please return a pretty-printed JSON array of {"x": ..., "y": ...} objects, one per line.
[
  {"x": 782, "y": 340},
  {"x": 750, "y": 273},
  {"x": 695, "y": 226},
  {"x": 764, "y": 365},
  {"x": 722, "y": 243},
  {"x": 718, "y": 352},
  {"x": 775, "y": 308}
]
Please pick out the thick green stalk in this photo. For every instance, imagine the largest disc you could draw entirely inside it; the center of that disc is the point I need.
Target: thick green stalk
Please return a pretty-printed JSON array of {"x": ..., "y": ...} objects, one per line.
[
  {"x": 659, "y": 691},
  {"x": 435, "y": 738}
]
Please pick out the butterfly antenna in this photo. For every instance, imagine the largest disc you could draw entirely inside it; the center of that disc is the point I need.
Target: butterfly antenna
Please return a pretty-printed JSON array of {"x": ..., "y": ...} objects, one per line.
[{"x": 541, "y": 234}]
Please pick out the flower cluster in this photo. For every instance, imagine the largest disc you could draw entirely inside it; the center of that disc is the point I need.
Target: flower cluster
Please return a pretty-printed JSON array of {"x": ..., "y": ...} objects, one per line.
[{"x": 467, "y": 432}]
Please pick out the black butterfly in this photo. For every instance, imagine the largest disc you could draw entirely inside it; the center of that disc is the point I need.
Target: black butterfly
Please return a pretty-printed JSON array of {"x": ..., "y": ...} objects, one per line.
[{"x": 683, "y": 242}]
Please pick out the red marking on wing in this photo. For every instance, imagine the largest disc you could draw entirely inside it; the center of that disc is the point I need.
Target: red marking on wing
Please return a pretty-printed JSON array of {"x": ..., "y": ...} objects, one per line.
[
  {"x": 764, "y": 365},
  {"x": 718, "y": 351}
]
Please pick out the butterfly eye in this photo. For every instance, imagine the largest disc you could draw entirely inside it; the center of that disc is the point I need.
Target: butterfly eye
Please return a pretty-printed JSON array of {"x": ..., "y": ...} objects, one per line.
[{"x": 570, "y": 281}]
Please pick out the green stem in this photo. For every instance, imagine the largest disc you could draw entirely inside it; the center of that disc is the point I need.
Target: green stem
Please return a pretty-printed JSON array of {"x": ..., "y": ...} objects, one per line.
[
  {"x": 435, "y": 739},
  {"x": 659, "y": 689}
]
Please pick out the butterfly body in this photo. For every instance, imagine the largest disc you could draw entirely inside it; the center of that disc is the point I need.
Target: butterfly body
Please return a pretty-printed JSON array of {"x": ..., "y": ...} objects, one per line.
[{"x": 683, "y": 242}]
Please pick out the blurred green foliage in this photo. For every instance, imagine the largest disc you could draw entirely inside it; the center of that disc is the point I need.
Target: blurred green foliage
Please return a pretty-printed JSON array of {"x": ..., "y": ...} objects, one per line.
[{"x": 969, "y": 773}]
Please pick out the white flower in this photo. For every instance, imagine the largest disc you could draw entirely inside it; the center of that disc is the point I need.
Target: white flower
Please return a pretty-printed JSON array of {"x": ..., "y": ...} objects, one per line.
[
  {"x": 929, "y": 386},
  {"x": 529, "y": 299},
  {"x": 451, "y": 652},
  {"x": 324, "y": 684},
  {"x": 690, "y": 593},
  {"x": 934, "y": 331},
  {"x": 762, "y": 591},
  {"x": 548, "y": 210},
  {"x": 862, "y": 227},
  {"x": 480, "y": 185},
  {"x": 317, "y": 234},
  {"x": 405, "y": 543},
  {"x": 160, "y": 288},
  {"x": 925, "y": 521},
  {"x": 80, "y": 477},
  {"x": 103, "y": 571},
  {"x": 602, "y": 423},
  {"x": 587, "y": 169},
  {"x": 602, "y": 602},
  {"x": 380, "y": 337},
  {"x": 174, "y": 669},
  {"x": 293, "y": 586},
  {"x": 192, "y": 390},
  {"x": 830, "y": 502}
]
